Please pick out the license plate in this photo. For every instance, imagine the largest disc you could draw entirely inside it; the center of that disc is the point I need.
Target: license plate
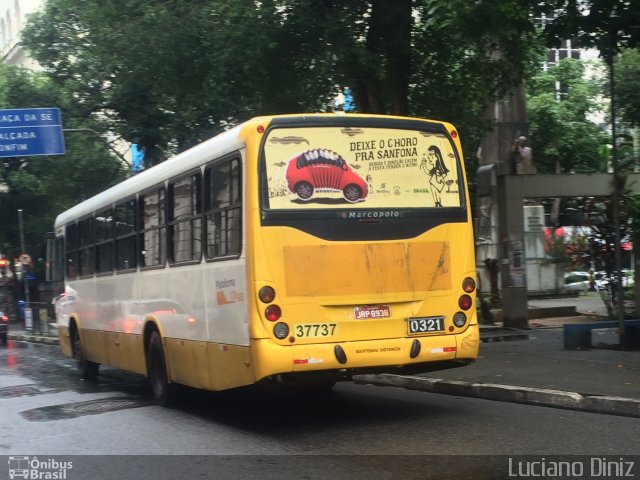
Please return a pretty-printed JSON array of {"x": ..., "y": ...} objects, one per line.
[
  {"x": 426, "y": 325},
  {"x": 372, "y": 311},
  {"x": 315, "y": 330}
]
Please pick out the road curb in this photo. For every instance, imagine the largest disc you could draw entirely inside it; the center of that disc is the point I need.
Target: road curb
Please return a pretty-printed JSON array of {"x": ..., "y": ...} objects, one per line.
[
  {"x": 33, "y": 338},
  {"x": 609, "y": 405},
  {"x": 492, "y": 333}
]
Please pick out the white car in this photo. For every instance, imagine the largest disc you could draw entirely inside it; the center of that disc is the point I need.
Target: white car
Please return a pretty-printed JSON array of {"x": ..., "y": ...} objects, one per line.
[
  {"x": 577, "y": 281},
  {"x": 628, "y": 279}
]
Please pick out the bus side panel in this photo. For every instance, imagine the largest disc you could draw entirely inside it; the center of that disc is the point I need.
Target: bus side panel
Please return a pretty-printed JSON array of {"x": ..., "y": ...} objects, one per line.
[
  {"x": 94, "y": 345},
  {"x": 188, "y": 364},
  {"x": 126, "y": 351},
  {"x": 209, "y": 366},
  {"x": 230, "y": 366},
  {"x": 225, "y": 293},
  {"x": 65, "y": 340}
]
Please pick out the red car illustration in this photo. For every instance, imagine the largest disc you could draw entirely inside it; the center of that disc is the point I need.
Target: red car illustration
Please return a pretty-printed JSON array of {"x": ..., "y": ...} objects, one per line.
[{"x": 322, "y": 169}]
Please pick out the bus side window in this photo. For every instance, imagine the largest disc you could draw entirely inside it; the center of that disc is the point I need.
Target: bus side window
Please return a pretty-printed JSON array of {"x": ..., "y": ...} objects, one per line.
[
  {"x": 125, "y": 226},
  {"x": 86, "y": 238},
  {"x": 71, "y": 250},
  {"x": 104, "y": 241},
  {"x": 185, "y": 230},
  {"x": 223, "y": 209},
  {"x": 153, "y": 231}
]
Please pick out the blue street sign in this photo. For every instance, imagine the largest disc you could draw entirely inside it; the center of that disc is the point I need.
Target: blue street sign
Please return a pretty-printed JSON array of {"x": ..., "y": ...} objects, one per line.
[{"x": 25, "y": 132}]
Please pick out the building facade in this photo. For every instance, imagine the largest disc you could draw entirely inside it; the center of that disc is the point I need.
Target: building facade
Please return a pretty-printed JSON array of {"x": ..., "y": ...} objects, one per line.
[{"x": 13, "y": 17}]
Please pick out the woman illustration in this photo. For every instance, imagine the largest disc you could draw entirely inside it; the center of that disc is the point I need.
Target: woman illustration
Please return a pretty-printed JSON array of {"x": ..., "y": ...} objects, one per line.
[{"x": 434, "y": 166}]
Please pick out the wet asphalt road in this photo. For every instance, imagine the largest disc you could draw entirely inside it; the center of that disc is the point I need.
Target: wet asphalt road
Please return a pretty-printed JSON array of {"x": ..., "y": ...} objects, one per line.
[{"x": 46, "y": 410}]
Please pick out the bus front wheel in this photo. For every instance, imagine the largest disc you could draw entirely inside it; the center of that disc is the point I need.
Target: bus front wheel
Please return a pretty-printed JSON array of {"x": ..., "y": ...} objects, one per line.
[
  {"x": 88, "y": 370},
  {"x": 163, "y": 390}
]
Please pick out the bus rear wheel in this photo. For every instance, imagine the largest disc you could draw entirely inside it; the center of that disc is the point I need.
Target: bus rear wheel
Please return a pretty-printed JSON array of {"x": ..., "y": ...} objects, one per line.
[
  {"x": 88, "y": 370},
  {"x": 163, "y": 391}
]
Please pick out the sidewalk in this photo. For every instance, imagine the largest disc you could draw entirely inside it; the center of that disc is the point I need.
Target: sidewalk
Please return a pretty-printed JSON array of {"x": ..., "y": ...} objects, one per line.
[
  {"x": 520, "y": 366},
  {"x": 535, "y": 369},
  {"x": 18, "y": 333}
]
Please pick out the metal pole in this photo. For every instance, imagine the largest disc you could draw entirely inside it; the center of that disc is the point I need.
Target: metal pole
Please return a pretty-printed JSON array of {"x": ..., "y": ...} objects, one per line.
[
  {"x": 24, "y": 273},
  {"x": 615, "y": 206},
  {"x": 23, "y": 250}
]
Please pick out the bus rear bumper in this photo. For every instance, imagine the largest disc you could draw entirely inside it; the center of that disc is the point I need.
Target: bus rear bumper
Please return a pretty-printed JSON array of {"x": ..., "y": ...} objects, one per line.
[{"x": 391, "y": 355}]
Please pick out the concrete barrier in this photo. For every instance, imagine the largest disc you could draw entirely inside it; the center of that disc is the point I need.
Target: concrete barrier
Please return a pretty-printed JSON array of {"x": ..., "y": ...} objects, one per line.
[
  {"x": 578, "y": 336},
  {"x": 610, "y": 405}
]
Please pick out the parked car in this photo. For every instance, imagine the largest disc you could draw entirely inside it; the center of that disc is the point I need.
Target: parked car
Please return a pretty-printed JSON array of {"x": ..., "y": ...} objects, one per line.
[
  {"x": 580, "y": 281},
  {"x": 577, "y": 281},
  {"x": 628, "y": 279},
  {"x": 4, "y": 327}
]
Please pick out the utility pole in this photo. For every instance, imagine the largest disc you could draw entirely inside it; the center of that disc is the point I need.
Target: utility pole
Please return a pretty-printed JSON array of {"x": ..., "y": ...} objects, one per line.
[
  {"x": 23, "y": 250},
  {"x": 25, "y": 279},
  {"x": 619, "y": 305}
]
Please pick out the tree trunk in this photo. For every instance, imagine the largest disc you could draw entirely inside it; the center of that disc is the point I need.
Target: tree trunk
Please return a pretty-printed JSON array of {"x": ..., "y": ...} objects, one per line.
[
  {"x": 636, "y": 276},
  {"x": 384, "y": 87}
]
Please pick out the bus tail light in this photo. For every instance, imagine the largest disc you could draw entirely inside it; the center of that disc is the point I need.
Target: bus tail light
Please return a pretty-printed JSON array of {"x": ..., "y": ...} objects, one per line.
[
  {"x": 267, "y": 294},
  {"x": 465, "y": 302},
  {"x": 468, "y": 285},
  {"x": 273, "y": 313},
  {"x": 459, "y": 319},
  {"x": 281, "y": 330}
]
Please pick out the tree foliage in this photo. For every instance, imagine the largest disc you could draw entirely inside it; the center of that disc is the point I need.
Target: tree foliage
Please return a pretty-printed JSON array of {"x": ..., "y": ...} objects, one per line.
[
  {"x": 559, "y": 102},
  {"x": 169, "y": 74},
  {"x": 608, "y": 25},
  {"x": 627, "y": 73},
  {"x": 44, "y": 186}
]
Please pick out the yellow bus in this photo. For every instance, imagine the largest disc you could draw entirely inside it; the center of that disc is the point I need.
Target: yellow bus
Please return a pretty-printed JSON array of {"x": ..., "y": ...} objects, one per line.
[{"x": 297, "y": 248}]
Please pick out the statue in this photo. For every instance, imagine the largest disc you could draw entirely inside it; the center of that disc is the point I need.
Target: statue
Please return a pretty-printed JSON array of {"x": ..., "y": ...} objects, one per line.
[{"x": 522, "y": 158}]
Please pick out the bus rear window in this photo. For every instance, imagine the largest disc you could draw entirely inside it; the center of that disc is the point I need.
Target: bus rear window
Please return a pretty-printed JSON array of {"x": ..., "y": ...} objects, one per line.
[{"x": 337, "y": 167}]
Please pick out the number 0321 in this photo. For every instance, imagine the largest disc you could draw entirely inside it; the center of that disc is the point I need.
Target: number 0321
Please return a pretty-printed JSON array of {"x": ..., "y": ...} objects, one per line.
[{"x": 426, "y": 325}]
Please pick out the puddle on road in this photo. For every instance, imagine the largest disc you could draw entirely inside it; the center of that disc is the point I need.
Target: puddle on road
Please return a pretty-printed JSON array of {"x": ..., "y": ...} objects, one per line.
[
  {"x": 24, "y": 391},
  {"x": 78, "y": 409}
]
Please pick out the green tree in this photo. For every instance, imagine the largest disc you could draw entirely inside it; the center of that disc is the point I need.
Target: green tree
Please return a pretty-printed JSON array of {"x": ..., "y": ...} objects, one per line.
[
  {"x": 627, "y": 71},
  {"x": 559, "y": 102},
  {"x": 610, "y": 26},
  {"x": 168, "y": 73},
  {"x": 43, "y": 186}
]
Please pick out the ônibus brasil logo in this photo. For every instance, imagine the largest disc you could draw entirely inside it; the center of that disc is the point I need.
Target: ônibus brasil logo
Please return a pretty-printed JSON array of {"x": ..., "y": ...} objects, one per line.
[{"x": 38, "y": 469}]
